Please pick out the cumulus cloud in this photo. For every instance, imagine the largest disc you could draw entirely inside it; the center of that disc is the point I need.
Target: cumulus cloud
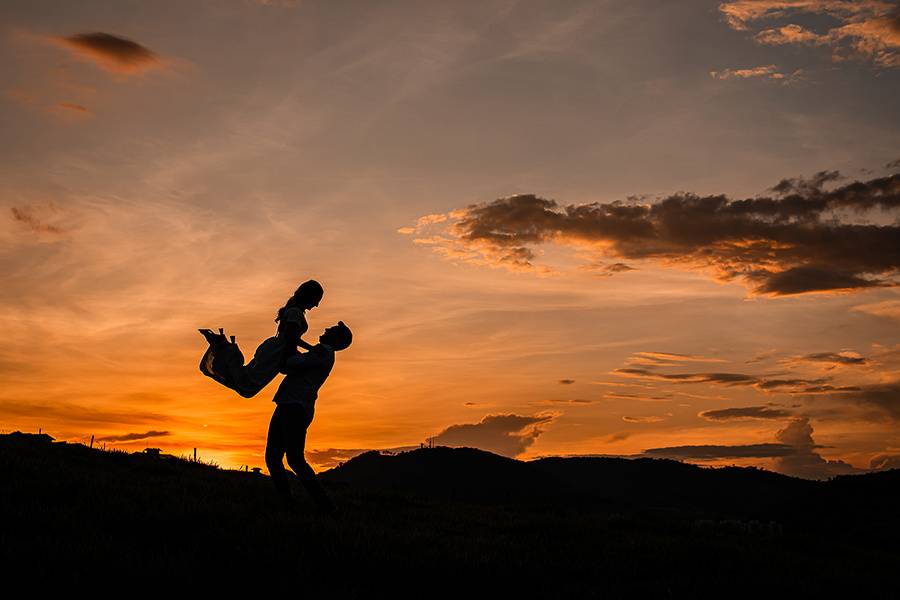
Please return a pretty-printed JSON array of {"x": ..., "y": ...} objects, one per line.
[
  {"x": 509, "y": 435},
  {"x": 792, "y": 241},
  {"x": 866, "y": 29},
  {"x": 110, "y": 52},
  {"x": 794, "y": 453},
  {"x": 745, "y": 412},
  {"x": 805, "y": 461},
  {"x": 132, "y": 437}
]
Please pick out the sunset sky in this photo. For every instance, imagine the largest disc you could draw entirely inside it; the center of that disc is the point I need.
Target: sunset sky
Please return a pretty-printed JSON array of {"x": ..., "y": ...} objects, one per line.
[{"x": 611, "y": 227}]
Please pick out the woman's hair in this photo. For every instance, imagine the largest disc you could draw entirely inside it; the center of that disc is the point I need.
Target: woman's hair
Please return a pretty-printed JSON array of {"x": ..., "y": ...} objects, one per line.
[{"x": 307, "y": 291}]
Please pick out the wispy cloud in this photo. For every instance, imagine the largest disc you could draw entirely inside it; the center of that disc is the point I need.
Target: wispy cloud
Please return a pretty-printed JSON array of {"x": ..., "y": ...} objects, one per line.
[
  {"x": 133, "y": 437},
  {"x": 38, "y": 219},
  {"x": 745, "y": 412},
  {"x": 764, "y": 72},
  {"x": 888, "y": 308}
]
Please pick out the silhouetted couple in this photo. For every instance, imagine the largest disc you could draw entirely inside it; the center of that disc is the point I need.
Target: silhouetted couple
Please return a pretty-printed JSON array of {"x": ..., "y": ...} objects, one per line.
[{"x": 295, "y": 399}]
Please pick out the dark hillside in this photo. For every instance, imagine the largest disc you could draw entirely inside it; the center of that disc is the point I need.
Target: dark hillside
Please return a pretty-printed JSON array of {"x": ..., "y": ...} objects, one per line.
[{"x": 91, "y": 520}]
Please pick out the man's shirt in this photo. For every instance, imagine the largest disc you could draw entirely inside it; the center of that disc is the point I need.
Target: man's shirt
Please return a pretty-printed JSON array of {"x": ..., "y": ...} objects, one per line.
[{"x": 304, "y": 375}]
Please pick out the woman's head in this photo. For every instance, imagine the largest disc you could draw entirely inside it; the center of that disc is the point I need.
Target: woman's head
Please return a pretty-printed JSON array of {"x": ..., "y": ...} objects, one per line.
[{"x": 307, "y": 296}]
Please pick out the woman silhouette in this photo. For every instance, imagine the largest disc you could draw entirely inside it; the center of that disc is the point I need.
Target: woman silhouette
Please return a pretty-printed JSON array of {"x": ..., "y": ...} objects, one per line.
[{"x": 224, "y": 361}]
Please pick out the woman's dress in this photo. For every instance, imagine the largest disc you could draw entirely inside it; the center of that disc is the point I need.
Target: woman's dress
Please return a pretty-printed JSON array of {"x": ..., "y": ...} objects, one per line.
[{"x": 224, "y": 361}]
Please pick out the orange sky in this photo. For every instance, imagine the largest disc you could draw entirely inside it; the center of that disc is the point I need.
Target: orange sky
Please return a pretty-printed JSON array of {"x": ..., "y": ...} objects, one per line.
[{"x": 190, "y": 164}]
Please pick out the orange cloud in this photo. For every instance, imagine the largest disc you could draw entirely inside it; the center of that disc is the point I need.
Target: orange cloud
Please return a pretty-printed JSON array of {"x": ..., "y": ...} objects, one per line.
[
  {"x": 764, "y": 72},
  {"x": 791, "y": 242},
  {"x": 110, "y": 52},
  {"x": 868, "y": 29}
]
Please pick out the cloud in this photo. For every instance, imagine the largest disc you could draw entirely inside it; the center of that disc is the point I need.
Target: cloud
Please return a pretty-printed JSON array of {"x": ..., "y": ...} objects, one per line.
[
  {"x": 637, "y": 397},
  {"x": 35, "y": 219},
  {"x": 110, "y": 52},
  {"x": 776, "y": 384},
  {"x": 131, "y": 437},
  {"x": 509, "y": 435},
  {"x": 885, "y": 461},
  {"x": 794, "y": 385},
  {"x": 714, "y": 452},
  {"x": 865, "y": 29},
  {"x": 765, "y": 72},
  {"x": 566, "y": 381},
  {"x": 668, "y": 358},
  {"x": 805, "y": 461},
  {"x": 332, "y": 457},
  {"x": 889, "y": 309},
  {"x": 618, "y": 268},
  {"x": 794, "y": 453},
  {"x": 720, "y": 378},
  {"x": 74, "y": 413},
  {"x": 795, "y": 240},
  {"x": 745, "y": 412},
  {"x": 884, "y": 397},
  {"x": 71, "y": 110},
  {"x": 763, "y": 356},
  {"x": 643, "y": 419},
  {"x": 831, "y": 358}
]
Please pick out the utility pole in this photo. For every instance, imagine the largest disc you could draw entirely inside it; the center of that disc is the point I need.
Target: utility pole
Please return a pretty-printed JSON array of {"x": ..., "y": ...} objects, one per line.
[{"x": 92, "y": 440}]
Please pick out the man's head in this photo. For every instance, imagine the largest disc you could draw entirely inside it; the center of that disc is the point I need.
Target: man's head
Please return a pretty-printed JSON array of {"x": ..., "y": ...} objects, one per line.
[{"x": 337, "y": 336}]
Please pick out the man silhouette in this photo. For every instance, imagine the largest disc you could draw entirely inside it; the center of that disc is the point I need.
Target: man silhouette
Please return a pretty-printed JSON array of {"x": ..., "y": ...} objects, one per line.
[{"x": 295, "y": 405}]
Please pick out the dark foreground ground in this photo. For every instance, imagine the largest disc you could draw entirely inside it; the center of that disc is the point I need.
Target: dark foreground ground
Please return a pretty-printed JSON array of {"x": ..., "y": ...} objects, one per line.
[{"x": 441, "y": 523}]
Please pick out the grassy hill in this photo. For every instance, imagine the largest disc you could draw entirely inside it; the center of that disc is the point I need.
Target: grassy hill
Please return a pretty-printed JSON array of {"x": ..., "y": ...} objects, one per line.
[{"x": 446, "y": 521}]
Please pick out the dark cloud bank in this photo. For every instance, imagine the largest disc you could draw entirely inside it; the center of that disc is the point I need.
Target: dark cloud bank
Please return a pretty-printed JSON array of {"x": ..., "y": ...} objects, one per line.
[
  {"x": 796, "y": 240},
  {"x": 793, "y": 453}
]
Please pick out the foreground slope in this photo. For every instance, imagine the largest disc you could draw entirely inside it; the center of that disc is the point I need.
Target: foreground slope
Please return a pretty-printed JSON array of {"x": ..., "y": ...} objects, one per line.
[{"x": 75, "y": 515}]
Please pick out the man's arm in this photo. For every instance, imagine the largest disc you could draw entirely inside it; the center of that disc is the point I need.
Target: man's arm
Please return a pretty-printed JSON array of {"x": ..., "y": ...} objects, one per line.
[{"x": 299, "y": 362}]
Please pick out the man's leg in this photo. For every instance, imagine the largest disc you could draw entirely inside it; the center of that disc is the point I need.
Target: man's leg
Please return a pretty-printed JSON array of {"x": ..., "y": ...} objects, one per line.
[
  {"x": 275, "y": 448},
  {"x": 296, "y": 446}
]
